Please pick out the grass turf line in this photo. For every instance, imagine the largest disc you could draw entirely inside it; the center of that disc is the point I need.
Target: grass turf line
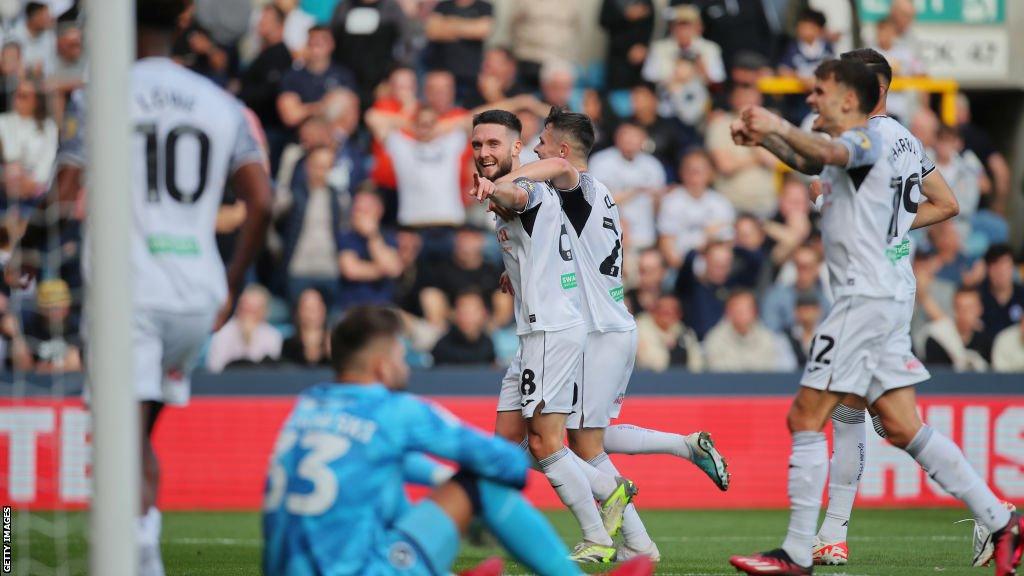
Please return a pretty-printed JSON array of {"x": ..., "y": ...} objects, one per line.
[{"x": 883, "y": 542}]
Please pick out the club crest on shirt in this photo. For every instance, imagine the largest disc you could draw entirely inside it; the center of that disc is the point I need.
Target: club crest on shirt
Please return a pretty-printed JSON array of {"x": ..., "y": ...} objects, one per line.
[{"x": 402, "y": 556}]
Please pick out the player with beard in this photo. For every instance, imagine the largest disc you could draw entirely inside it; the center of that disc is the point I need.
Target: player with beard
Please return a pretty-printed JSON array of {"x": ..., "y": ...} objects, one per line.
[{"x": 540, "y": 387}]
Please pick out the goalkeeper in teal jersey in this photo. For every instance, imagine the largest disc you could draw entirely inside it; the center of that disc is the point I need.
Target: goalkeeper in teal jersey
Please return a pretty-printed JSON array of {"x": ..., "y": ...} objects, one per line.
[{"x": 335, "y": 501}]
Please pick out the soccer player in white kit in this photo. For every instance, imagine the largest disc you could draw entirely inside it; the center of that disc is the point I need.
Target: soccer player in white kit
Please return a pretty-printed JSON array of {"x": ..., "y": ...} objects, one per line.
[
  {"x": 538, "y": 255},
  {"x": 610, "y": 350},
  {"x": 860, "y": 348},
  {"x": 191, "y": 139}
]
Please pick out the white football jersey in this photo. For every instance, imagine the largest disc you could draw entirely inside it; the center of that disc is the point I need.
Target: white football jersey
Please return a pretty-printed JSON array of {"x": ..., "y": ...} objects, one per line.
[
  {"x": 537, "y": 251},
  {"x": 596, "y": 234},
  {"x": 190, "y": 137},
  {"x": 868, "y": 208}
]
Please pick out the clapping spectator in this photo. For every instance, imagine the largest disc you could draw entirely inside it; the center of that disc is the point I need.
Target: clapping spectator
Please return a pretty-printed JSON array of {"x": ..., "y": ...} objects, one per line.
[
  {"x": 367, "y": 38},
  {"x": 457, "y": 30},
  {"x": 684, "y": 44},
  {"x": 1008, "y": 349},
  {"x": 960, "y": 343},
  {"x": 261, "y": 81},
  {"x": 778, "y": 309},
  {"x": 368, "y": 258},
  {"x": 693, "y": 213},
  {"x": 307, "y": 89},
  {"x": 809, "y": 49},
  {"x": 746, "y": 175},
  {"x": 635, "y": 178},
  {"x": 310, "y": 344},
  {"x": 650, "y": 281},
  {"x": 1002, "y": 297},
  {"x": 28, "y": 137},
  {"x": 629, "y": 24},
  {"x": 791, "y": 226},
  {"x": 247, "y": 338},
  {"x": 739, "y": 343},
  {"x": 704, "y": 281},
  {"x": 37, "y": 40},
  {"x": 663, "y": 340},
  {"x": 195, "y": 49},
  {"x": 49, "y": 341},
  {"x": 467, "y": 342}
]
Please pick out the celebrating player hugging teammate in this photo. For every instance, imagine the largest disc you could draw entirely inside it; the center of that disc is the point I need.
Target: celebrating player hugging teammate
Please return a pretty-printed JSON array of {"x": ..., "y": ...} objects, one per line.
[
  {"x": 871, "y": 200},
  {"x": 561, "y": 243}
]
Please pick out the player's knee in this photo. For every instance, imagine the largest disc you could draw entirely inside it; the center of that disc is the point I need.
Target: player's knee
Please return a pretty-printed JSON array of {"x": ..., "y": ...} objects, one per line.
[
  {"x": 900, "y": 434},
  {"x": 542, "y": 445},
  {"x": 800, "y": 420}
]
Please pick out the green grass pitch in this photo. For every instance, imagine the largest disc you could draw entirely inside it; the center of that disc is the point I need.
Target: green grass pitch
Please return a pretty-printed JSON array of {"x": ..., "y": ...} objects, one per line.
[{"x": 883, "y": 542}]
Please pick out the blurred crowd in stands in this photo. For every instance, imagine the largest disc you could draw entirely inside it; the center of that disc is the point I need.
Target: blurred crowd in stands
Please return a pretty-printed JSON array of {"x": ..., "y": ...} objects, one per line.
[{"x": 364, "y": 104}]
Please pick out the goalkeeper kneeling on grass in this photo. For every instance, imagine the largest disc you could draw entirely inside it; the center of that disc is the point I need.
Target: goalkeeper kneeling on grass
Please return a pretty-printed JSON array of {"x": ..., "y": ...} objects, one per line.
[{"x": 335, "y": 501}]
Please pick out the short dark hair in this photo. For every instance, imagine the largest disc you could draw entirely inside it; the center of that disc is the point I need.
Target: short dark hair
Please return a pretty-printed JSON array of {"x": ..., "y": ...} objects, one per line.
[
  {"x": 873, "y": 60},
  {"x": 997, "y": 252},
  {"x": 32, "y": 7},
  {"x": 501, "y": 118},
  {"x": 967, "y": 290},
  {"x": 577, "y": 126},
  {"x": 856, "y": 76},
  {"x": 158, "y": 14},
  {"x": 360, "y": 327},
  {"x": 813, "y": 16},
  {"x": 278, "y": 13},
  {"x": 320, "y": 28},
  {"x": 742, "y": 293}
]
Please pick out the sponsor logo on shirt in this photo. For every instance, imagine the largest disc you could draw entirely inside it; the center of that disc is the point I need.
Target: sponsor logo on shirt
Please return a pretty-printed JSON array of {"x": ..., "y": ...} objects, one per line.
[
  {"x": 568, "y": 281},
  {"x": 174, "y": 245},
  {"x": 616, "y": 293},
  {"x": 897, "y": 253}
]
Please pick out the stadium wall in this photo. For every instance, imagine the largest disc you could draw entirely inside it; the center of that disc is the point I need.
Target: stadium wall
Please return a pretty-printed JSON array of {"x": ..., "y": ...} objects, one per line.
[{"x": 214, "y": 452}]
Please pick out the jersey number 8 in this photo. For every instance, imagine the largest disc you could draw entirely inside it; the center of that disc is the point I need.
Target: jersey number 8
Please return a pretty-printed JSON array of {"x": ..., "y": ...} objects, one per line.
[{"x": 170, "y": 155}]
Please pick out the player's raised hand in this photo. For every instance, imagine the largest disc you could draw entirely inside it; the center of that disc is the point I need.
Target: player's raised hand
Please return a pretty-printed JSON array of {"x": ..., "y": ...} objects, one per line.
[
  {"x": 505, "y": 214},
  {"x": 760, "y": 122},
  {"x": 482, "y": 188},
  {"x": 740, "y": 135}
]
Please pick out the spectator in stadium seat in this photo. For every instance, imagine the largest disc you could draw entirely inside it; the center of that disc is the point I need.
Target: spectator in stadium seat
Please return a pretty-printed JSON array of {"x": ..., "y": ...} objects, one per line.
[
  {"x": 539, "y": 30},
  {"x": 428, "y": 165},
  {"x": 665, "y": 136},
  {"x": 307, "y": 88},
  {"x": 368, "y": 35},
  {"x": 778, "y": 306},
  {"x": 69, "y": 66},
  {"x": 312, "y": 221},
  {"x": 807, "y": 314},
  {"x": 261, "y": 81},
  {"x": 740, "y": 343},
  {"x": 903, "y": 60},
  {"x": 629, "y": 26},
  {"x": 809, "y": 49},
  {"x": 28, "y": 137},
  {"x": 310, "y": 344},
  {"x": 791, "y": 226},
  {"x": 297, "y": 24},
  {"x": 746, "y": 176},
  {"x": 1008, "y": 349},
  {"x": 457, "y": 30},
  {"x": 693, "y": 213},
  {"x": 684, "y": 97},
  {"x": 1002, "y": 298},
  {"x": 368, "y": 258},
  {"x": 977, "y": 140},
  {"x": 740, "y": 27},
  {"x": 956, "y": 266},
  {"x": 649, "y": 284},
  {"x": 12, "y": 69},
  {"x": 466, "y": 268},
  {"x": 398, "y": 97},
  {"x": 195, "y": 49},
  {"x": 498, "y": 79},
  {"x": 557, "y": 83},
  {"x": 663, "y": 340},
  {"x": 934, "y": 297},
  {"x": 685, "y": 43},
  {"x": 247, "y": 338},
  {"x": 705, "y": 280},
  {"x": 466, "y": 342},
  {"x": 49, "y": 342},
  {"x": 409, "y": 284},
  {"x": 37, "y": 40},
  {"x": 636, "y": 180},
  {"x": 960, "y": 342}
]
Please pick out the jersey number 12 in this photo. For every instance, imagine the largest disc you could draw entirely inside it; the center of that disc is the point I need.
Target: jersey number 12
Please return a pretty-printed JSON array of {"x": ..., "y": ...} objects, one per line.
[{"x": 169, "y": 154}]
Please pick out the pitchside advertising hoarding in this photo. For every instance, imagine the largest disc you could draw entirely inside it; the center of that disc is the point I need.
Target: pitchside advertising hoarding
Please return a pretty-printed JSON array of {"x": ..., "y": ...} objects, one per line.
[{"x": 214, "y": 452}]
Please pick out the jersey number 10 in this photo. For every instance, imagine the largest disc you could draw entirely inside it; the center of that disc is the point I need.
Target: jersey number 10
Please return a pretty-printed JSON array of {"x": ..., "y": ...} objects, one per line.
[{"x": 170, "y": 156}]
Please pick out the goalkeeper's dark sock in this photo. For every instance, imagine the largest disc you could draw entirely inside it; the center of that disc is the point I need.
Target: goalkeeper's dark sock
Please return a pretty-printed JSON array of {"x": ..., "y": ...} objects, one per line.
[{"x": 523, "y": 530}]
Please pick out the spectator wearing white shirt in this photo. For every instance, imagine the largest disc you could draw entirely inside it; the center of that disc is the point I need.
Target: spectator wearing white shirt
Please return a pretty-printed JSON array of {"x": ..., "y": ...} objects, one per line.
[
  {"x": 1008, "y": 349},
  {"x": 740, "y": 343},
  {"x": 29, "y": 140},
  {"x": 684, "y": 43},
  {"x": 37, "y": 39},
  {"x": 247, "y": 337},
  {"x": 635, "y": 179},
  {"x": 690, "y": 213},
  {"x": 297, "y": 24}
]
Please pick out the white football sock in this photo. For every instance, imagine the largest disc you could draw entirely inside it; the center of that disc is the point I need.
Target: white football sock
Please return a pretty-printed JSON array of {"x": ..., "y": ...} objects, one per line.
[
  {"x": 572, "y": 488},
  {"x": 629, "y": 439},
  {"x": 849, "y": 447},
  {"x": 808, "y": 468},
  {"x": 876, "y": 423},
  {"x": 633, "y": 530},
  {"x": 945, "y": 463},
  {"x": 602, "y": 483}
]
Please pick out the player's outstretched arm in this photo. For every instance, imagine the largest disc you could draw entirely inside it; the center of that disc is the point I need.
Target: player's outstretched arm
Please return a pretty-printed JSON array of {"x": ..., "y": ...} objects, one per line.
[
  {"x": 435, "y": 431},
  {"x": 251, "y": 184},
  {"x": 790, "y": 157},
  {"x": 510, "y": 195},
  {"x": 559, "y": 171},
  {"x": 941, "y": 204},
  {"x": 812, "y": 147}
]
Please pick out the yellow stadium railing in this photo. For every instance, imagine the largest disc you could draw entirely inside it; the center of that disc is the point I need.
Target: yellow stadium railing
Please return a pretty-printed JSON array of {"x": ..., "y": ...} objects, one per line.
[{"x": 945, "y": 87}]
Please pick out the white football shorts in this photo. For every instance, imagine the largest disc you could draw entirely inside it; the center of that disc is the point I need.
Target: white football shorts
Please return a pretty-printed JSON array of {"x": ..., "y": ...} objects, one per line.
[
  {"x": 608, "y": 359},
  {"x": 544, "y": 372}
]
